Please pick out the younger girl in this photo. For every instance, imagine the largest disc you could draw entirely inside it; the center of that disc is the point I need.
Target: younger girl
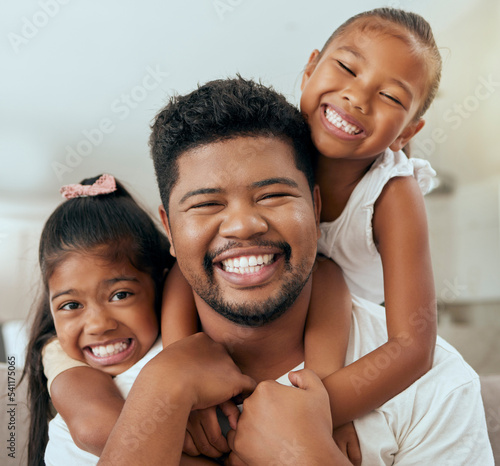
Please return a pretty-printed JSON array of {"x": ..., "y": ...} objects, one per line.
[
  {"x": 363, "y": 96},
  {"x": 103, "y": 262}
]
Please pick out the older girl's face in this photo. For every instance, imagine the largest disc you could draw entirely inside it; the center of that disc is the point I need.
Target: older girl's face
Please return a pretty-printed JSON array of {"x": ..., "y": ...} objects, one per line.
[
  {"x": 103, "y": 312},
  {"x": 362, "y": 94}
]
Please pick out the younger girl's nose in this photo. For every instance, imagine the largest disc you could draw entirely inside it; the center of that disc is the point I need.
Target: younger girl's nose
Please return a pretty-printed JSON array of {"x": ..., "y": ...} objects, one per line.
[{"x": 99, "y": 321}]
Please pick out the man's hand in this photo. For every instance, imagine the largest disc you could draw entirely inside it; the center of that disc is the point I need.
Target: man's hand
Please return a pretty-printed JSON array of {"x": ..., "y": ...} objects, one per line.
[
  {"x": 193, "y": 373},
  {"x": 287, "y": 424},
  {"x": 198, "y": 370},
  {"x": 204, "y": 435}
]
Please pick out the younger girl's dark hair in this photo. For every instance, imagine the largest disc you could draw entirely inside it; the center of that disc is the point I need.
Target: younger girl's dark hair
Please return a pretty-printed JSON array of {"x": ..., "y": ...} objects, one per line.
[{"x": 116, "y": 228}]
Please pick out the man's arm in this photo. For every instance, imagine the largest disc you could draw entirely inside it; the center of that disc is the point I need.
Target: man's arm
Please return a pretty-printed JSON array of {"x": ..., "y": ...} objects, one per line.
[{"x": 193, "y": 373}]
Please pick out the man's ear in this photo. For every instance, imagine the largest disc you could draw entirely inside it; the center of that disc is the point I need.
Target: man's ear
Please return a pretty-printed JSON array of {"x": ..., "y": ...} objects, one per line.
[
  {"x": 166, "y": 225},
  {"x": 311, "y": 65},
  {"x": 317, "y": 207},
  {"x": 410, "y": 131}
]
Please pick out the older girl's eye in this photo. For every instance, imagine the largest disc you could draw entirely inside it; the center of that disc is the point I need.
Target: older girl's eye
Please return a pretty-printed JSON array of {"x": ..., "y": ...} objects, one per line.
[
  {"x": 390, "y": 97},
  {"x": 346, "y": 68},
  {"x": 121, "y": 295}
]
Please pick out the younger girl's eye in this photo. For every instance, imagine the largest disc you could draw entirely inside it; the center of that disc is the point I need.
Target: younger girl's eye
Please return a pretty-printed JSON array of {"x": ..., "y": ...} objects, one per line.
[
  {"x": 120, "y": 295},
  {"x": 346, "y": 68},
  {"x": 70, "y": 306}
]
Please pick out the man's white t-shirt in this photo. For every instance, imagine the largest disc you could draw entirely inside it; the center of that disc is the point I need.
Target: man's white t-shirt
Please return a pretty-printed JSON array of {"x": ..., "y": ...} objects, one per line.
[{"x": 439, "y": 420}]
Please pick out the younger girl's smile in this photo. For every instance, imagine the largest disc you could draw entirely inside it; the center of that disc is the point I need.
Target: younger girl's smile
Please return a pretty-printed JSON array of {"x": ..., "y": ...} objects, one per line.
[{"x": 103, "y": 311}]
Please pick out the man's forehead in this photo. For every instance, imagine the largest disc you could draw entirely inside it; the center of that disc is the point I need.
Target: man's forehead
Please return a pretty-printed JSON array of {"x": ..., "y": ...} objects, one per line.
[{"x": 253, "y": 156}]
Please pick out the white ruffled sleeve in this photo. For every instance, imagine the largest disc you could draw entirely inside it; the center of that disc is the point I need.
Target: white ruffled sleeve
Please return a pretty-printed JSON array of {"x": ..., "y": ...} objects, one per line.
[{"x": 423, "y": 173}]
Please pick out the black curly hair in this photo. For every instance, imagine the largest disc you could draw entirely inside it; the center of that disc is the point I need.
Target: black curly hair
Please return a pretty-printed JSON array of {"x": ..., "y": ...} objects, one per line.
[{"x": 220, "y": 110}]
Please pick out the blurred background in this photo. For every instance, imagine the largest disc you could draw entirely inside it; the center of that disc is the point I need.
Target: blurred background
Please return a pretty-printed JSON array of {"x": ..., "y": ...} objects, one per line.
[{"x": 82, "y": 81}]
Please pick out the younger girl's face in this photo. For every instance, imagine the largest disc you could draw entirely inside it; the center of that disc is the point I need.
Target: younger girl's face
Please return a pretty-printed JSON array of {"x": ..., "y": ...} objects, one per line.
[
  {"x": 361, "y": 96},
  {"x": 103, "y": 312}
]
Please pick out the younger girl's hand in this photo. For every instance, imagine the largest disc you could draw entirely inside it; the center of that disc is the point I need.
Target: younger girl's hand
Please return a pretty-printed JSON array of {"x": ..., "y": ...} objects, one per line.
[
  {"x": 204, "y": 435},
  {"x": 346, "y": 439}
]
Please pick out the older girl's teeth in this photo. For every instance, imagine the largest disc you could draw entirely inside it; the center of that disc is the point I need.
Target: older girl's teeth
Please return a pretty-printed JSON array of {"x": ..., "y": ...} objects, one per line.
[
  {"x": 247, "y": 264},
  {"x": 109, "y": 350},
  {"x": 335, "y": 119}
]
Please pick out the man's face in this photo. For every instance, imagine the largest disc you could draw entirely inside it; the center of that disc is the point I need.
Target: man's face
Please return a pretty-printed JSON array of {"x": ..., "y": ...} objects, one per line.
[{"x": 243, "y": 226}]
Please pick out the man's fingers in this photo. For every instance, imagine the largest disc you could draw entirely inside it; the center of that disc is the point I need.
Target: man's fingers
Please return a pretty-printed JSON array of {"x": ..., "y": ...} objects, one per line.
[
  {"x": 189, "y": 447},
  {"x": 230, "y": 438},
  {"x": 213, "y": 433},
  {"x": 231, "y": 411},
  {"x": 305, "y": 379}
]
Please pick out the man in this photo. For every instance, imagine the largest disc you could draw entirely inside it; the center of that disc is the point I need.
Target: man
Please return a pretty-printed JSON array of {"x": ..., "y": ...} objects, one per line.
[{"x": 232, "y": 161}]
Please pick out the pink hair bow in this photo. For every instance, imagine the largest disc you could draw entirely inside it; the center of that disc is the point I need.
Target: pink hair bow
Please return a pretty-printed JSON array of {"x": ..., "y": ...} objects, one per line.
[{"x": 104, "y": 185}]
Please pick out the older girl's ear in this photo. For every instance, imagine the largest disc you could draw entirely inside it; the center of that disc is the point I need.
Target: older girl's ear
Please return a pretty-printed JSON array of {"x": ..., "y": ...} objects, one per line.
[
  {"x": 411, "y": 130},
  {"x": 311, "y": 65}
]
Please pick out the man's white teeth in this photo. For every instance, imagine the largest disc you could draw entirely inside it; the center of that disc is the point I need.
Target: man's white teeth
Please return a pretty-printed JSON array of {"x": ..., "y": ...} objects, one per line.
[
  {"x": 247, "y": 264},
  {"x": 335, "y": 119},
  {"x": 109, "y": 350}
]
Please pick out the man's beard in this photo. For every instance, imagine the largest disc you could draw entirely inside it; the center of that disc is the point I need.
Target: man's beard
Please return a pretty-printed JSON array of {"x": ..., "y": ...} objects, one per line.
[{"x": 251, "y": 314}]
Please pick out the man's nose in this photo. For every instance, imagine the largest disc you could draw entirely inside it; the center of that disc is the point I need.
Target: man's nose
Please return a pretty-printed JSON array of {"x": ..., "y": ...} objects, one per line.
[
  {"x": 99, "y": 321},
  {"x": 243, "y": 223}
]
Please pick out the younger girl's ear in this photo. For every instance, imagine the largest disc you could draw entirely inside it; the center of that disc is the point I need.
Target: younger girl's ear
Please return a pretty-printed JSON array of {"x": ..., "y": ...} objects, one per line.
[
  {"x": 166, "y": 226},
  {"x": 311, "y": 64},
  {"x": 410, "y": 131}
]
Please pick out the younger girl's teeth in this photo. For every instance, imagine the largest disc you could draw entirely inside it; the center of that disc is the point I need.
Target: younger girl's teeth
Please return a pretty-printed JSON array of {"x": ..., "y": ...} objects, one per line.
[
  {"x": 335, "y": 119},
  {"x": 109, "y": 350},
  {"x": 247, "y": 264}
]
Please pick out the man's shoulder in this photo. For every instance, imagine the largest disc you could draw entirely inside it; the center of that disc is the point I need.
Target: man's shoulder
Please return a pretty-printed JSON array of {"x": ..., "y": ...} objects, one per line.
[{"x": 369, "y": 331}]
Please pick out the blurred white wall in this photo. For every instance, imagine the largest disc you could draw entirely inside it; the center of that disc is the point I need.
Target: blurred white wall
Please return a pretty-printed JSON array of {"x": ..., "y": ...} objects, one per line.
[{"x": 83, "y": 80}]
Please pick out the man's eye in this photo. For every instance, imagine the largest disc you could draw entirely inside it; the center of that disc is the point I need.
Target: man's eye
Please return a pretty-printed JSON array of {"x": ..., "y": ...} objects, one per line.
[
  {"x": 205, "y": 204},
  {"x": 346, "y": 68},
  {"x": 121, "y": 295},
  {"x": 70, "y": 306},
  {"x": 274, "y": 196}
]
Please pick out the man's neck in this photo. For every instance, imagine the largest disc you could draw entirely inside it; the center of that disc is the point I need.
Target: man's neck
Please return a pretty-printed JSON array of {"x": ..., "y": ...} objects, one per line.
[{"x": 265, "y": 352}]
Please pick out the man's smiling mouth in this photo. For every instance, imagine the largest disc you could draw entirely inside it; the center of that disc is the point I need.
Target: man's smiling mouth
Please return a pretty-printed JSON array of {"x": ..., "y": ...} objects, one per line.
[{"x": 247, "y": 264}]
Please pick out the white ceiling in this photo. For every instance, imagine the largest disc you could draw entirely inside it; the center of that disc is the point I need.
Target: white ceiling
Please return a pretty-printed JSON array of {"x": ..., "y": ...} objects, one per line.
[{"x": 69, "y": 67}]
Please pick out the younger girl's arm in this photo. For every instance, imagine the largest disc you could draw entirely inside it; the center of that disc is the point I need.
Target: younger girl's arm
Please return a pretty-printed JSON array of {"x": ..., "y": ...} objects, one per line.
[
  {"x": 400, "y": 232},
  {"x": 179, "y": 318},
  {"x": 90, "y": 404},
  {"x": 72, "y": 385}
]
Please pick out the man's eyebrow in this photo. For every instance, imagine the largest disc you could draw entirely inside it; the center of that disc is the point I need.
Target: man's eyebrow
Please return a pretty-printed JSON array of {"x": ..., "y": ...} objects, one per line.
[
  {"x": 197, "y": 192},
  {"x": 271, "y": 181},
  {"x": 352, "y": 50}
]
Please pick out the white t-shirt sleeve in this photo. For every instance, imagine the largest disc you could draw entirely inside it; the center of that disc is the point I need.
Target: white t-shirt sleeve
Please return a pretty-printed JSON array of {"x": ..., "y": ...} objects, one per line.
[{"x": 452, "y": 434}]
